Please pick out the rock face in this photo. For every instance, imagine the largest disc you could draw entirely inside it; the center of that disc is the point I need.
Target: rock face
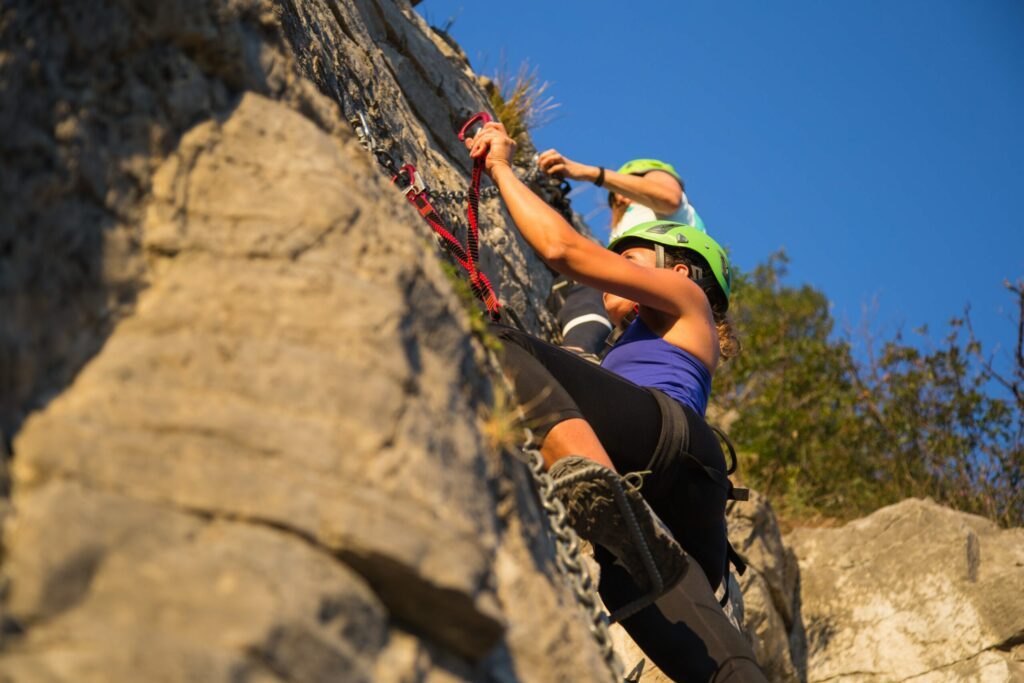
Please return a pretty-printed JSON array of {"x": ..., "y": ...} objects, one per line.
[
  {"x": 253, "y": 449},
  {"x": 913, "y": 592},
  {"x": 96, "y": 95},
  {"x": 771, "y": 589},
  {"x": 253, "y": 438}
]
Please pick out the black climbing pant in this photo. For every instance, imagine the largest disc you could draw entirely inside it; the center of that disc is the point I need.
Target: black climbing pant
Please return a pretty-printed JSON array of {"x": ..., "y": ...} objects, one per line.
[
  {"x": 687, "y": 635},
  {"x": 685, "y": 632}
]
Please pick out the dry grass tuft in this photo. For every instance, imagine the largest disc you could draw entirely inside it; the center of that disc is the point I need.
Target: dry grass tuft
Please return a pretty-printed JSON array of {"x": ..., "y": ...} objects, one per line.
[
  {"x": 521, "y": 102},
  {"x": 501, "y": 422},
  {"x": 524, "y": 100}
]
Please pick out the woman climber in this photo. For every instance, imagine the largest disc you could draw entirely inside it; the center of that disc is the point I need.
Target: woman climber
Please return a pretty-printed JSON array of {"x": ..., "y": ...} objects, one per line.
[
  {"x": 639, "y": 413},
  {"x": 641, "y": 190}
]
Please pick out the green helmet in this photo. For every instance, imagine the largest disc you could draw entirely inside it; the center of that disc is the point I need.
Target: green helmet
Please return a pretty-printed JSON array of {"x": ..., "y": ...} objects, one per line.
[
  {"x": 641, "y": 166},
  {"x": 663, "y": 234}
]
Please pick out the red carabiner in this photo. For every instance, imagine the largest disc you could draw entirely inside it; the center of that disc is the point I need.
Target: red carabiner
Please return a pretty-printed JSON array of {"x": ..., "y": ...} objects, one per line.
[
  {"x": 415, "y": 186},
  {"x": 483, "y": 117}
]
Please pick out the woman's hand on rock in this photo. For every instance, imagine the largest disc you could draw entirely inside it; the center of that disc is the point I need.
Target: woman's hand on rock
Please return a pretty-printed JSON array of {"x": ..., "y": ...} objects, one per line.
[
  {"x": 554, "y": 163},
  {"x": 494, "y": 144}
]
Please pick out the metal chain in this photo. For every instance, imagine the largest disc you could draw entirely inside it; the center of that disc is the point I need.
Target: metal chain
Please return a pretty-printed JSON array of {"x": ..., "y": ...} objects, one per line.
[
  {"x": 458, "y": 196},
  {"x": 567, "y": 543},
  {"x": 384, "y": 158},
  {"x": 555, "y": 191},
  {"x": 567, "y": 553}
]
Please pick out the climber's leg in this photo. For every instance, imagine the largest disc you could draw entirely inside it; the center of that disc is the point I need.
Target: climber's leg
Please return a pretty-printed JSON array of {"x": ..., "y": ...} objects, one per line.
[
  {"x": 574, "y": 436},
  {"x": 686, "y": 632},
  {"x": 637, "y": 427},
  {"x": 625, "y": 417},
  {"x": 601, "y": 506},
  {"x": 634, "y": 426}
]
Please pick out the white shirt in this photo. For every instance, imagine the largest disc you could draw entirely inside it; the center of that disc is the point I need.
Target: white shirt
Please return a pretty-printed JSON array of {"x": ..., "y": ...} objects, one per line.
[{"x": 638, "y": 213}]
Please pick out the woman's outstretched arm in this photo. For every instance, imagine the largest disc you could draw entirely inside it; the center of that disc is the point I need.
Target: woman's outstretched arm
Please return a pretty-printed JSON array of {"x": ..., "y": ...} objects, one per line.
[
  {"x": 655, "y": 189},
  {"x": 568, "y": 252}
]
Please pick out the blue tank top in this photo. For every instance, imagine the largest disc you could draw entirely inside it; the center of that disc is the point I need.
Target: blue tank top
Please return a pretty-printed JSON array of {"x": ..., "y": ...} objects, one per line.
[{"x": 646, "y": 359}]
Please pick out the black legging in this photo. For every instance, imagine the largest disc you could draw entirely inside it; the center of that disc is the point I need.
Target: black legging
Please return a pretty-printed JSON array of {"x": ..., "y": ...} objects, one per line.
[
  {"x": 553, "y": 385},
  {"x": 686, "y": 634}
]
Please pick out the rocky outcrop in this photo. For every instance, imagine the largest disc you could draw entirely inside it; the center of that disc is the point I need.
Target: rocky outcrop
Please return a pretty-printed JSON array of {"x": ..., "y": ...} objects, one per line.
[
  {"x": 254, "y": 439},
  {"x": 254, "y": 447},
  {"x": 771, "y": 589},
  {"x": 97, "y": 94},
  {"x": 914, "y": 592}
]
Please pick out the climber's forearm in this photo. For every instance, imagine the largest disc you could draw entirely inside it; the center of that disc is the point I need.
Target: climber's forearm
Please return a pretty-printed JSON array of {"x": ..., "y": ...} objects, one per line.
[
  {"x": 664, "y": 198},
  {"x": 544, "y": 229}
]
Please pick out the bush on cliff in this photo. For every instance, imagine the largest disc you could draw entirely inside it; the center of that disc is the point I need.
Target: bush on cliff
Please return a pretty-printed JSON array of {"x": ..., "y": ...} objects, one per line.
[{"x": 828, "y": 433}]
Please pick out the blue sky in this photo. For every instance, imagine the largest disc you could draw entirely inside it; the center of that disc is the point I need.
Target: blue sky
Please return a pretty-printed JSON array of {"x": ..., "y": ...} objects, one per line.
[{"x": 880, "y": 143}]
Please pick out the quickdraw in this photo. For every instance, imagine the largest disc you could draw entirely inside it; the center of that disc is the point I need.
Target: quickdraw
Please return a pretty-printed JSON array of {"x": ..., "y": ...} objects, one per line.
[
  {"x": 416, "y": 192},
  {"x": 408, "y": 178}
]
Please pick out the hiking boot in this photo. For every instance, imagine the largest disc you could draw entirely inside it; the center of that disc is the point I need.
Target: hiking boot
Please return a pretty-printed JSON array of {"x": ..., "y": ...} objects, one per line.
[{"x": 607, "y": 510}]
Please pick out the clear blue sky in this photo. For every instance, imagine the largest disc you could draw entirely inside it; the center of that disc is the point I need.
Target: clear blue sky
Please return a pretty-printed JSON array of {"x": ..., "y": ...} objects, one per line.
[{"x": 880, "y": 143}]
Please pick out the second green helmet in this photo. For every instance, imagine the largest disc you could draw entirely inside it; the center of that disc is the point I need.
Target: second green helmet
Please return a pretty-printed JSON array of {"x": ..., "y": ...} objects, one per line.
[
  {"x": 679, "y": 236},
  {"x": 641, "y": 166}
]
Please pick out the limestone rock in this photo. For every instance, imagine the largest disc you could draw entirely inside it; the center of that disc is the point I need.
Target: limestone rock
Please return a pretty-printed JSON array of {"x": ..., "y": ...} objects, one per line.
[
  {"x": 247, "y": 407},
  {"x": 174, "y": 408},
  {"x": 97, "y": 95},
  {"x": 119, "y": 589},
  {"x": 916, "y": 592},
  {"x": 770, "y": 588}
]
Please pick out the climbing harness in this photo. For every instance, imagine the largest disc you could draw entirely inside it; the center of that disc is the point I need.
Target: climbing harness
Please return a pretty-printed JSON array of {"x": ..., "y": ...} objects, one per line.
[{"x": 673, "y": 449}]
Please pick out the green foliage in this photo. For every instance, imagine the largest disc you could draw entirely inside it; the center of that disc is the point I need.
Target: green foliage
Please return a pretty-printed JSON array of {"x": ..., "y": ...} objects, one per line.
[{"x": 827, "y": 434}]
